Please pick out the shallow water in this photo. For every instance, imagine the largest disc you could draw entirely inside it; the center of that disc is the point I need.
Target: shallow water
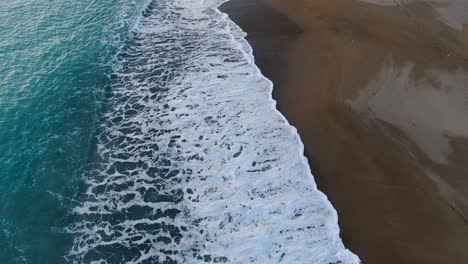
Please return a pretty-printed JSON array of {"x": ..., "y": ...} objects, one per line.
[{"x": 143, "y": 132}]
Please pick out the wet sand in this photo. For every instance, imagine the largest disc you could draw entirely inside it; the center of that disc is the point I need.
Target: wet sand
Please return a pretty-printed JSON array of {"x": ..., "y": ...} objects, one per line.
[{"x": 379, "y": 95}]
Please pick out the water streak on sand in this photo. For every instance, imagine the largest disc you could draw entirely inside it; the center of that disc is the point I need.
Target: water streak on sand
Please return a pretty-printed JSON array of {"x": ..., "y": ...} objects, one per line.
[
  {"x": 397, "y": 97},
  {"x": 452, "y": 12}
]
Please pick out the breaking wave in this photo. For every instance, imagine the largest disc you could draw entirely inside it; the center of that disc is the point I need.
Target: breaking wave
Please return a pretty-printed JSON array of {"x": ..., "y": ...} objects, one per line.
[{"x": 195, "y": 162}]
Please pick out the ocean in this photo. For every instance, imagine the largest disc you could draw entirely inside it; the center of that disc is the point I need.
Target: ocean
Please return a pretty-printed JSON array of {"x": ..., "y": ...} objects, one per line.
[{"x": 143, "y": 132}]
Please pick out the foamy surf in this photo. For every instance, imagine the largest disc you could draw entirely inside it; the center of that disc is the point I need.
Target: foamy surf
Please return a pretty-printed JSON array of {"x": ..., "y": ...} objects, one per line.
[{"x": 196, "y": 164}]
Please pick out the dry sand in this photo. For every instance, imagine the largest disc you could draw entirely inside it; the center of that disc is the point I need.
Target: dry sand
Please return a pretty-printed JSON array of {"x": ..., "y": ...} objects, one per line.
[{"x": 379, "y": 95}]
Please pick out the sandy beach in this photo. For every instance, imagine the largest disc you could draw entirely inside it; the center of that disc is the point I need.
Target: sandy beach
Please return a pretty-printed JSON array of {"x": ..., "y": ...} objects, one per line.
[{"x": 379, "y": 94}]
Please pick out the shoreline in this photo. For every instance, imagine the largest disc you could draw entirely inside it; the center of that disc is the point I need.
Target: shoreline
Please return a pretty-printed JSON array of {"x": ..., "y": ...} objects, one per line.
[{"x": 324, "y": 58}]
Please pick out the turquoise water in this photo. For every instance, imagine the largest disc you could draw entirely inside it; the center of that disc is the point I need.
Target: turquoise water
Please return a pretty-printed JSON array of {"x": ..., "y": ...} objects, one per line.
[{"x": 55, "y": 59}]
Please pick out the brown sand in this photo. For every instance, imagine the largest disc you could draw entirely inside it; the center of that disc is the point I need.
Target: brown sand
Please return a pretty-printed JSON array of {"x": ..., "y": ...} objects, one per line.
[{"x": 380, "y": 98}]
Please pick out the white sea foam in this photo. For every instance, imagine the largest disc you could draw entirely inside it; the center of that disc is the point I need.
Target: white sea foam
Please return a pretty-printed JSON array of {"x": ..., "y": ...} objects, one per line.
[{"x": 197, "y": 163}]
